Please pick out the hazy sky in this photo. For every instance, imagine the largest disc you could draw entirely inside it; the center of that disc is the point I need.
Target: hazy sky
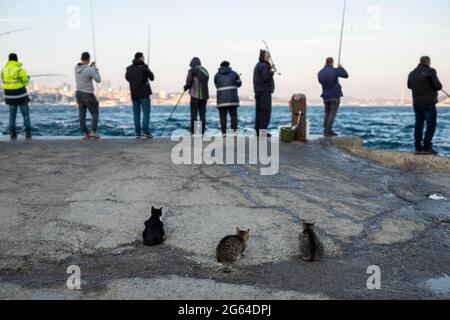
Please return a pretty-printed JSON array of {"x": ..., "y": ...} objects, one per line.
[{"x": 383, "y": 39}]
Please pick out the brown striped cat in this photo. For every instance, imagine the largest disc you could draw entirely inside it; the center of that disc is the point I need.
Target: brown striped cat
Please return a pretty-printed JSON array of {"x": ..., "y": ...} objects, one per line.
[
  {"x": 231, "y": 248},
  {"x": 311, "y": 248}
]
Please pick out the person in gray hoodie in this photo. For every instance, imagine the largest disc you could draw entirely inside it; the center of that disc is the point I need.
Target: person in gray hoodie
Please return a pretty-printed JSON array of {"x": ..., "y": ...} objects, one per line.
[{"x": 85, "y": 73}]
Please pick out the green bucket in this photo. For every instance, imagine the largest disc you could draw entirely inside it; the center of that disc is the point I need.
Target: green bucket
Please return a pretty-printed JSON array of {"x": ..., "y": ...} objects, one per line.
[{"x": 287, "y": 134}]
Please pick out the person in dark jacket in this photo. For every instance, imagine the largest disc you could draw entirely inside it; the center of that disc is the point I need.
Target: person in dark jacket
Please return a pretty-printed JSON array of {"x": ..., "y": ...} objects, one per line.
[
  {"x": 264, "y": 87},
  {"x": 332, "y": 93},
  {"x": 197, "y": 84},
  {"x": 138, "y": 75},
  {"x": 425, "y": 85},
  {"x": 227, "y": 83}
]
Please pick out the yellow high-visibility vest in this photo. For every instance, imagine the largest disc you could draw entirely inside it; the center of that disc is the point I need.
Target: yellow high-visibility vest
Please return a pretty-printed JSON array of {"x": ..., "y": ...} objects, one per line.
[{"x": 14, "y": 76}]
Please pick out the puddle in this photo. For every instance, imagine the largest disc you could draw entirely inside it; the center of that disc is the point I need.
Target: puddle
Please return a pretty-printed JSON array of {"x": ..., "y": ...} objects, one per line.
[
  {"x": 436, "y": 197},
  {"x": 440, "y": 285}
]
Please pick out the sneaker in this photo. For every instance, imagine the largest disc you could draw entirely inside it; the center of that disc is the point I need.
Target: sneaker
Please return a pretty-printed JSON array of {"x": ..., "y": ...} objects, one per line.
[
  {"x": 430, "y": 152},
  {"x": 86, "y": 136},
  {"x": 147, "y": 136},
  {"x": 13, "y": 136},
  {"x": 28, "y": 135},
  {"x": 94, "y": 136}
]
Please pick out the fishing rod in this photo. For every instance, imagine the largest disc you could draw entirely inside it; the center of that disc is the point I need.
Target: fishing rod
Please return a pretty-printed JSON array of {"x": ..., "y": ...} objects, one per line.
[
  {"x": 173, "y": 111},
  {"x": 271, "y": 59},
  {"x": 48, "y": 75},
  {"x": 342, "y": 31},
  {"x": 148, "y": 48},
  {"x": 13, "y": 31},
  {"x": 93, "y": 31},
  {"x": 448, "y": 95}
]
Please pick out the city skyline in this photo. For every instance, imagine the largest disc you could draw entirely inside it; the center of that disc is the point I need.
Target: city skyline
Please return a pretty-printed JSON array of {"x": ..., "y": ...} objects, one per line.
[{"x": 383, "y": 40}]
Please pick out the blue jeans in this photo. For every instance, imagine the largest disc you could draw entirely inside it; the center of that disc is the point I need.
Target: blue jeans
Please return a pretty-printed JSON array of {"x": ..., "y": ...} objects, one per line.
[
  {"x": 428, "y": 115},
  {"x": 25, "y": 110},
  {"x": 145, "y": 106}
]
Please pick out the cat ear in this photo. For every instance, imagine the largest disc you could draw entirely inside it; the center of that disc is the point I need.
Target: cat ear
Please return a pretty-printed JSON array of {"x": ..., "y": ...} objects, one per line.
[
  {"x": 248, "y": 231},
  {"x": 153, "y": 208},
  {"x": 161, "y": 208},
  {"x": 238, "y": 230}
]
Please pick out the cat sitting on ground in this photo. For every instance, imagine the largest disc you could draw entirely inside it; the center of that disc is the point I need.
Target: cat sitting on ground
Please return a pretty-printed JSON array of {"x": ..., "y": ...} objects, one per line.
[
  {"x": 154, "y": 229},
  {"x": 231, "y": 248},
  {"x": 311, "y": 248}
]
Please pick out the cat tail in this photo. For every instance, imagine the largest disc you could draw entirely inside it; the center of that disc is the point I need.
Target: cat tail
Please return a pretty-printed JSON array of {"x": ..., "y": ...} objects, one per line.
[{"x": 312, "y": 240}]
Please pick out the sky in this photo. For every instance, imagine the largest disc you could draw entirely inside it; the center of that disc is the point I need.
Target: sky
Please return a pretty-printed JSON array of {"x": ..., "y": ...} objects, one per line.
[{"x": 383, "y": 40}]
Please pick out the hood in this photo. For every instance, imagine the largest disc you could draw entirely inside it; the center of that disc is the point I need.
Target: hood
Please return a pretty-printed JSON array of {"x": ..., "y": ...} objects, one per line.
[
  {"x": 195, "y": 62},
  {"x": 425, "y": 66},
  {"x": 14, "y": 64},
  {"x": 138, "y": 62},
  {"x": 225, "y": 70},
  {"x": 262, "y": 55},
  {"x": 81, "y": 67}
]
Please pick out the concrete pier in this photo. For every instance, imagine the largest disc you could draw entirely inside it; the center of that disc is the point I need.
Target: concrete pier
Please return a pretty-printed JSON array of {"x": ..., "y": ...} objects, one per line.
[{"x": 66, "y": 203}]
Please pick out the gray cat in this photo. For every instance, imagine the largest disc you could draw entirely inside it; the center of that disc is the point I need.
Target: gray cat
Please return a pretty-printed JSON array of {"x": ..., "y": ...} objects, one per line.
[
  {"x": 311, "y": 248},
  {"x": 231, "y": 248}
]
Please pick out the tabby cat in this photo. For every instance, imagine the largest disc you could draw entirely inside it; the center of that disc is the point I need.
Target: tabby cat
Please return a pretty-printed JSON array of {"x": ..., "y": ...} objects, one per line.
[
  {"x": 311, "y": 248},
  {"x": 231, "y": 248}
]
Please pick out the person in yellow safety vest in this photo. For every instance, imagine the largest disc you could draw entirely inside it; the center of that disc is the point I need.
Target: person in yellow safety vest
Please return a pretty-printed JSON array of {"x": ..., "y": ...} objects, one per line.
[{"x": 15, "y": 81}]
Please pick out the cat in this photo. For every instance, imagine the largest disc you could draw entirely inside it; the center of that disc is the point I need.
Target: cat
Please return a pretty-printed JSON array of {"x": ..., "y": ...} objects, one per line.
[
  {"x": 311, "y": 248},
  {"x": 231, "y": 248},
  {"x": 154, "y": 229}
]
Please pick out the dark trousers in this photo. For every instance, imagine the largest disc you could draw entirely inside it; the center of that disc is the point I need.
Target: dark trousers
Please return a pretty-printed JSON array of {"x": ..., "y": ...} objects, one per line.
[
  {"x": 198, "y": 108},
  {"x": 428, "y": 115},
  {"x": 143, "y": 105},
  {"x": 87, "y": 101},
  {"x": 331, "y": 111},
  {"x": 233, "y": 112},
  {"x": 263, "y": 110}
]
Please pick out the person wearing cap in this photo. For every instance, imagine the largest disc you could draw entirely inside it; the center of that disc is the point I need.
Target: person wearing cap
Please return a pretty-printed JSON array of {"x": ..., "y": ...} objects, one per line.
[
  {"x": 15, "y": 81},
  {"x": 264, "y": 87},
  {"x": 227, "y": 83},
  {"x": 85, "y": 75}
]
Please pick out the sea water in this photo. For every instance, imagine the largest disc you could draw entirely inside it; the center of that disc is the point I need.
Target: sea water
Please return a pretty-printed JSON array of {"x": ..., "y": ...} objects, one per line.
[{"x": 381, "y": 128}]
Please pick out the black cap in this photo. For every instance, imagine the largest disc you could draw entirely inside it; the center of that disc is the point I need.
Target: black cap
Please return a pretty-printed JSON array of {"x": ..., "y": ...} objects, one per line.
[
  {"x": 138, "y": 55},
  {"x": 13, "y": 57},
  {"x": 85, "y": 56},
  {"x": 225, "y": 64}
]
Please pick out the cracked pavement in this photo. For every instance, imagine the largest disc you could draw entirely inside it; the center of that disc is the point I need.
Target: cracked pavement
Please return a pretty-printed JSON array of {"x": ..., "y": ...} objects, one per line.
[{"x": 84, "y": 203}]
